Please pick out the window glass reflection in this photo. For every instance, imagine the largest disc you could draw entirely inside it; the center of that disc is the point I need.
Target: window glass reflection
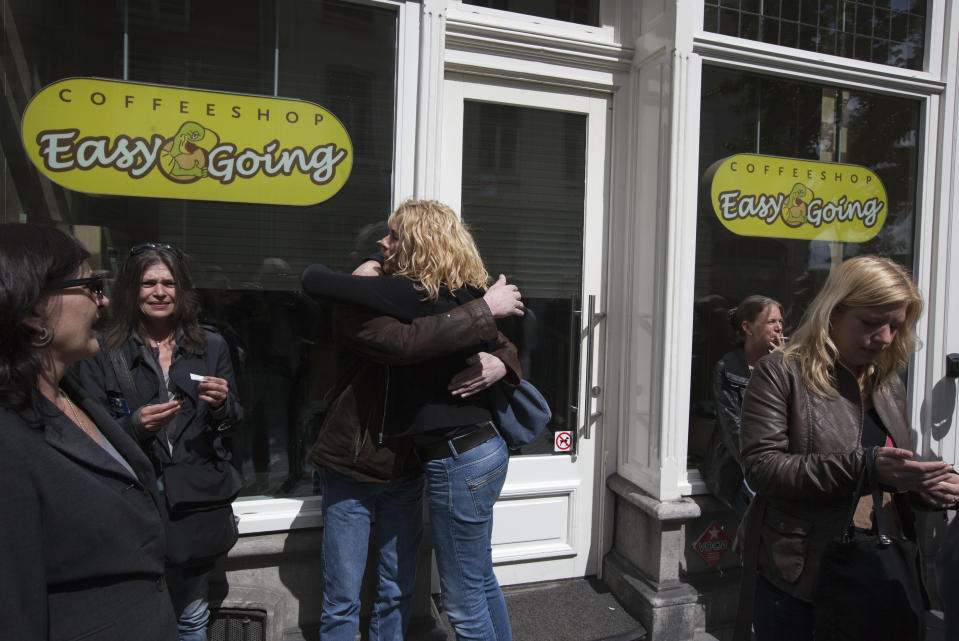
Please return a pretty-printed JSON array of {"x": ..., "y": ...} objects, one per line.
[
  {"x": 889, "y": 32},
  {"x": 524, "y": 172},
  {"x": 749, "y": 113},
  {"x": 245, "y": 258}
]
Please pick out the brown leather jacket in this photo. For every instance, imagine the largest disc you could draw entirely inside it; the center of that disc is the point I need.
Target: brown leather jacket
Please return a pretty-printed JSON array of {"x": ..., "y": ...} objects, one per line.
[
  {"x": 803, "y": 457},
  {"x": 351, "y": 439}
]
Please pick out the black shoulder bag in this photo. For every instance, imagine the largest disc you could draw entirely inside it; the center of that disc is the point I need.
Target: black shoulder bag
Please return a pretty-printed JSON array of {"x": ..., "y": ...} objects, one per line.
[{"x": 870, "y": 585}]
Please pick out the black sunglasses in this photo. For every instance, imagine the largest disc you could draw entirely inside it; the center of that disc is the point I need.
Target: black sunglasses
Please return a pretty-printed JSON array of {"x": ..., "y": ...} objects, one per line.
[
  {"x": 94, "y": 284},
  {"x": 142, "y": 247}
]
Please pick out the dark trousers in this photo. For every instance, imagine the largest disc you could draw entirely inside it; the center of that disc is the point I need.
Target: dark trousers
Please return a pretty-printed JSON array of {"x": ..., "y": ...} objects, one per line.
[
  {"x": 947, "y": 579},
  {"x": 780, "y": 617}
]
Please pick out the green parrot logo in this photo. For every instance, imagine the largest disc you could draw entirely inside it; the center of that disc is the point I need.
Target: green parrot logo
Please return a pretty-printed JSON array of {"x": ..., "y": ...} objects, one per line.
[
  {"x": 181, "y": 158},
  {"x": 794, "y": 207}
]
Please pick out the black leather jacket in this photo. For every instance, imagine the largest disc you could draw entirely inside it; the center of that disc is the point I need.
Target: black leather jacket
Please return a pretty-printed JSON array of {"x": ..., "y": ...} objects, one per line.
[
  {"x": 196, "y": 435},
  {"x": 722, "y": 466}
]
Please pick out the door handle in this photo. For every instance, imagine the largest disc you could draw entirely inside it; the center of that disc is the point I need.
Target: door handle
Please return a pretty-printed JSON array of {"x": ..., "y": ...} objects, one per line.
[{"x": 592, "y": 391}]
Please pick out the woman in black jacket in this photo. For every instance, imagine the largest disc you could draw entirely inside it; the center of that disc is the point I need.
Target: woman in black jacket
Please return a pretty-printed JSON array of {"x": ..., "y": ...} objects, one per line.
[
  {"x": 82, "y": 541},
  {"x": 758, "y": 323},
  {"x": 169, "y": 381}
]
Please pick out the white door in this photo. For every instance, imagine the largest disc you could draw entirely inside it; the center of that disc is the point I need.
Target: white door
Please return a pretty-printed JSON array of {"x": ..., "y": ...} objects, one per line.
[{"x": 526, "y": 168}]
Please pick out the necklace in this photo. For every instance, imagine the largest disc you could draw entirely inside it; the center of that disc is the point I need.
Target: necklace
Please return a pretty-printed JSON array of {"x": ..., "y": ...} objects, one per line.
[
  {"x": 76, "y": 416},
  {"x": 156, "y": 343}
]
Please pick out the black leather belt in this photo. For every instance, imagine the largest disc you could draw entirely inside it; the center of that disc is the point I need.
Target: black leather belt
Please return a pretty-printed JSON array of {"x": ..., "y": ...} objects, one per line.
[{"x": 460, "y": 444}]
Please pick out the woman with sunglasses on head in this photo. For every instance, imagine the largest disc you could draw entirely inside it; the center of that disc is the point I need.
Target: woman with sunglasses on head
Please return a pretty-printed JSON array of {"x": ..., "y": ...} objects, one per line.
[
  {"x": 82, "y": 541},
  {"x": 169, "y": 382}
]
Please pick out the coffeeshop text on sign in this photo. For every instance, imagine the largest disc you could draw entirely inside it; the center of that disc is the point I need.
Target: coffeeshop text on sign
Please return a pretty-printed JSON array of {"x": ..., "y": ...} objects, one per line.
[
  {"x": 755, "y": 195},
  {"x": 132, "y": 139}
]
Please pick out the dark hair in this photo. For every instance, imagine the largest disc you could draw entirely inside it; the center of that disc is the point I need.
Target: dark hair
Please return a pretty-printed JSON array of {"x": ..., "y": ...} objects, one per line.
[
  {"x": 32, "y": 258},
  {"x": 123, "y": 315},
  {"x": 366, "y": 240},
  {"x": 748, "y": 311}
]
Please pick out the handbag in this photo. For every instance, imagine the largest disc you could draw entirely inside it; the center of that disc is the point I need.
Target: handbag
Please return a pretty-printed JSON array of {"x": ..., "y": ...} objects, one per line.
[
  {"x": 870, "y": 585},
  {"x": 200, "y": 536},
  {"x": 190, "y": 486},
  {"x": 521, "y": 413},
  {"x": 200, "y": 525}
]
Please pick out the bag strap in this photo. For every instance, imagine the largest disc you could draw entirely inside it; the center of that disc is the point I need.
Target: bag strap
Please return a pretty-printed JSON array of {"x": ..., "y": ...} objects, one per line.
[
  {"x": 877, "y": 507},
  {"x": 869, "y": 474},
  {"x": 742, "y": 630},
  {"x": 868, "y": 471},
  {"x": 124, "y": 378}
]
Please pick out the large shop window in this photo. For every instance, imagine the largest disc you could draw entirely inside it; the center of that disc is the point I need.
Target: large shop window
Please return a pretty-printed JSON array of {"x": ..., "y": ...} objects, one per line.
[
  {"x": 755, "y": 114},
  {"x": 889, "y": 32},
  {"x": 246, "y": 258}
]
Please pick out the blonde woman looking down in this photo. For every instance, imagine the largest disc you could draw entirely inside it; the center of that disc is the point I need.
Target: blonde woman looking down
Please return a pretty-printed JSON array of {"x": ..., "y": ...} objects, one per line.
[{"x": 810, "y": 412}]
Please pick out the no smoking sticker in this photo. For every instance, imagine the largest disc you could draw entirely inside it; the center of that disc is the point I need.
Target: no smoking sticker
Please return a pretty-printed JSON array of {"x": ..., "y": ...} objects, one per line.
[{"x": 562, "y": 441}]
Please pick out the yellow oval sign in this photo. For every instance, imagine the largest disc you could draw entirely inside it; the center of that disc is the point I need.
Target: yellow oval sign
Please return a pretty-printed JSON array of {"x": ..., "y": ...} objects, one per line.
[
  {"x": 132, "y": 139},
  {"x": 755, "y": 195}
]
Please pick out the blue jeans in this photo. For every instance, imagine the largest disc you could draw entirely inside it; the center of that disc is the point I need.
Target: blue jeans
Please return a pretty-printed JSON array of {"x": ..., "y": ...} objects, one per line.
[
  {"x": 349, "y": 509},
  {"x": 461, "y": 492},
  {"x": 189, "y": 588}
]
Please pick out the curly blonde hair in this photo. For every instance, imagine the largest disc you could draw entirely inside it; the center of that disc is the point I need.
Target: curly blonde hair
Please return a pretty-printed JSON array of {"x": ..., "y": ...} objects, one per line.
[
  {"x": 863, "y": 281},
  {"x": 435, "y": 248}
]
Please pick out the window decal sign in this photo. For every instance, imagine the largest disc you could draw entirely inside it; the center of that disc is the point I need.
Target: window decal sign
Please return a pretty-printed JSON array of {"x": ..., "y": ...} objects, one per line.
[
  {"x": 713, "y": 544},
  {"x": 133, "y": 139},
  {"x": 755, "y": 195}
]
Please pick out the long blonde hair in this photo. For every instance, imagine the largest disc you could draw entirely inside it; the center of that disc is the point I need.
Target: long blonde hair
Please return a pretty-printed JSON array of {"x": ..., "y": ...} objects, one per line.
[
  {"x": 435, "y": 248},
  {"x": 863, "y": 281}
]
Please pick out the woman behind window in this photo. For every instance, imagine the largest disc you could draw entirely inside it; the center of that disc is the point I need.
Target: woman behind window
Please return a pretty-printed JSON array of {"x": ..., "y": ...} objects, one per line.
[
  {"x": 82, "y": 541},
  {"x": 758, "y": 323},
  {"x": 809, "y": 413},
  {"x": 169, "y": 382}
]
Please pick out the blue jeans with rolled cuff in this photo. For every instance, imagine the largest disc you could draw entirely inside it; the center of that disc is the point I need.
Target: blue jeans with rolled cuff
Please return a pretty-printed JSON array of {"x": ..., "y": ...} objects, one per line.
[
  {"x": 461, "y": 491},
  {"x": 189, "y": 590},
  {"x": 394, "y": 513}
]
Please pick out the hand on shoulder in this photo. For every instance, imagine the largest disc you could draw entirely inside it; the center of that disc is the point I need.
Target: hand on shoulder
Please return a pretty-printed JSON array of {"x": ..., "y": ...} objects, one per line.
[{"x": 504, "y": 299}]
